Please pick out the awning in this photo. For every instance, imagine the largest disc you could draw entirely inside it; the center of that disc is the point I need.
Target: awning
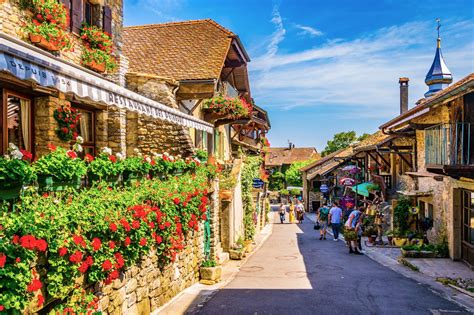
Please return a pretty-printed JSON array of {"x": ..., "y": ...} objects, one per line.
[
  {"x": 415, "y": 193},
  {"x": 362, "y": 189},
  {"x": 27, "y": 62}
]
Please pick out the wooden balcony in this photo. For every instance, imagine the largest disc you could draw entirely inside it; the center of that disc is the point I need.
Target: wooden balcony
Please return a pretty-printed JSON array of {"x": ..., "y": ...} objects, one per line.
[{"x": 449, "y": 149}]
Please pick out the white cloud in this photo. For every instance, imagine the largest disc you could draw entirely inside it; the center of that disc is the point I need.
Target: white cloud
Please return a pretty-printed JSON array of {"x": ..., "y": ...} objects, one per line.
[
  {"x": 308, "y": 30},
  {"x": 360, "y": 76}
]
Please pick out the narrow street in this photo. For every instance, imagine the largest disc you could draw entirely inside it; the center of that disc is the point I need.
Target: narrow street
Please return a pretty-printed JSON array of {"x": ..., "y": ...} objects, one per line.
[{"x": 295, "y": 273}]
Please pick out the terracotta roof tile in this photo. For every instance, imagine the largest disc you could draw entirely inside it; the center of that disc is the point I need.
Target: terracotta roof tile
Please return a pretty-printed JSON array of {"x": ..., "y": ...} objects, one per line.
[
  {"x": 280, "y": 156},
  {"x": 189, "y": 50}
]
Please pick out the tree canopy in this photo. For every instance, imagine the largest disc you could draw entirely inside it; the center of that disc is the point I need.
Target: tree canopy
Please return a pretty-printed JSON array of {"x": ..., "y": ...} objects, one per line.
[
  {"x": 342, "y": 140},
  {"x": 293, "y": 174}
]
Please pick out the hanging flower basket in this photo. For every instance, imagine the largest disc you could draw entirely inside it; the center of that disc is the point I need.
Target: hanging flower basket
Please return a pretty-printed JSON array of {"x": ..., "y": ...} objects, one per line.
[
  {"x": 10, "y": 190},
  {"x": 225, "y": 195},
  {"x": 97, "y": 67},
  {"x": 42, "y": 42},
  {"x": 51, "y": 183}
]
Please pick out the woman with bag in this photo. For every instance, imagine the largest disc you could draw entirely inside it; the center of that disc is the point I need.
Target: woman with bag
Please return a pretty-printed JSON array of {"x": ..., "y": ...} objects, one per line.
[
  {"x": 299, "y": 211},
  {"x": 282, "y": 213},
  {"x": 292, "y": 213},
  {"x": 323, "y": 214}
]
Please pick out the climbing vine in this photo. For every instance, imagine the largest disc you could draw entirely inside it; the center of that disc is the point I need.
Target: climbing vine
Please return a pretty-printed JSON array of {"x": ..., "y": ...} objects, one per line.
[{"x": 249, "y": 172}]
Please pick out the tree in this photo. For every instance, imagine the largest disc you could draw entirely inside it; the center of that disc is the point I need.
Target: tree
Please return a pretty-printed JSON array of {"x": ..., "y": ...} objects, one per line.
[
  {"x": 293, "y": 173},
  {"x": 340, "y": 141},
  {"x": 363, "y": 136},
  {"x": 276, "y": 181}
]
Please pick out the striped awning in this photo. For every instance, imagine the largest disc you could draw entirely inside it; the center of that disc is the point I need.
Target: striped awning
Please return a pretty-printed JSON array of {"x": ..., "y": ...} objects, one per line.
[{"x": 27, "y": 62}]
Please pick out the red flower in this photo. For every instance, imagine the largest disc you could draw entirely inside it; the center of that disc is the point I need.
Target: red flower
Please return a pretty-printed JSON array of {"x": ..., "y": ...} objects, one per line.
[
  {"x": 112, "y": 158},
  {"x": 41, "y": 245},
  {"x": 2, "y": 308},
  {"x": 45, "y": 195},
  {"x": 26, "y": 155},
  {"x": 125, "y": 224},
  {"x": 28, "y": 242},
  {"x": 113, "y": 227},
  {"x": 40, "y": 300},
  {"x": 72, "y": 154},
  {"x": 143, "y": 241},
  {"x": 167, "y": 224},
  {"x": 127, "y": 241},
  {"x": 107, "y": 265},
  {"x": 88, "y": 158},
  {"x": 34, "y": 285},
  {"x": 151, "y": 225},
  {"x": 62, "y": 251},
  {"x": 159, "y": 239},
  {"x": 204, "y": 217},
  {"x": 79, "y": 240},
  {"x": 83, "y": 267},
  {"x": 18, "y": 259},
  {"x": 176, "y": 201},
  {"x": 51, "y": 147},
  {"x": 3, "y": 259},
  {"x": 120, "y": 261},
  {"x": 136, "y": 224},
  {"x": 111, "y": 244},
  {"x": 16, "y": 239},
  {"x": 64, "y": 130},
  {"x": 76, "y": 257},
  {"x": 96, "y": 243}
]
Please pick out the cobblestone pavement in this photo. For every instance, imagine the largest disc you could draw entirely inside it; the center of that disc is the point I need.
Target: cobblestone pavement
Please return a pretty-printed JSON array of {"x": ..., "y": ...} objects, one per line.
[{"x": 295, "y": 273}]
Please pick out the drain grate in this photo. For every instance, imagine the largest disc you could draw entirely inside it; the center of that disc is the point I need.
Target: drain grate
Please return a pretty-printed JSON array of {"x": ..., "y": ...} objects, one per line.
[{"x": 251, "y": 269}]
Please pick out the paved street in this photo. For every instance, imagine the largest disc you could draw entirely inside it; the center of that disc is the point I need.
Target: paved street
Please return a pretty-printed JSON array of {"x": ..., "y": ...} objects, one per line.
[{"x": 295, "y": 273}]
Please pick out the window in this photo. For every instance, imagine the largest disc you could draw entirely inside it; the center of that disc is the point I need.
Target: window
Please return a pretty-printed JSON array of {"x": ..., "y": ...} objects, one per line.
[
  {"x": 430, "y": 211},
  {"x": 86, "y": 129},
  {"x": 88, "y": 13},
  {"x": 15, "y": 121}
]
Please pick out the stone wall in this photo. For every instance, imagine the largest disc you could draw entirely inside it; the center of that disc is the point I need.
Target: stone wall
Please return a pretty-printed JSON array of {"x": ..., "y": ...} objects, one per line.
[{"x": 144, "y": 288}]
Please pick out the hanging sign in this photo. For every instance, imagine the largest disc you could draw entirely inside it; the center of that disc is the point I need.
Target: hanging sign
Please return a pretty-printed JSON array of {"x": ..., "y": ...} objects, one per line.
[
  {"x": 257, "y": 183},
  {"x": 324, "y": 188},
  {"x": 347, "y": 181}
]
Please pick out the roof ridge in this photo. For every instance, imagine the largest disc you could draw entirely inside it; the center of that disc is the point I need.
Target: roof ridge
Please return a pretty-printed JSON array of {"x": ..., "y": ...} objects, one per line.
[{"x": 177, "y": 23}]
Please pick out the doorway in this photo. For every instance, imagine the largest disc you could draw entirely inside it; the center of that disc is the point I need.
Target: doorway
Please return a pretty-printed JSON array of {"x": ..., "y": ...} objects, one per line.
[{"x": 467, "y": 245}]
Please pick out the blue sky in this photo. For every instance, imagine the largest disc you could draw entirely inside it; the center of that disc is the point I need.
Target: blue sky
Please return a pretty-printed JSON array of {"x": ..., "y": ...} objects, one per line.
[{"x": 321, "y": 67}]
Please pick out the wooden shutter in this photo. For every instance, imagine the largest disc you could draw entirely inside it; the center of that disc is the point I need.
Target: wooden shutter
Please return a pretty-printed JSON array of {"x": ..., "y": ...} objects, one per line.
[
  {"x": 76, "y": 16},
  {"x": 107, "y": 23},
  {"x": 67, "y": 4}
]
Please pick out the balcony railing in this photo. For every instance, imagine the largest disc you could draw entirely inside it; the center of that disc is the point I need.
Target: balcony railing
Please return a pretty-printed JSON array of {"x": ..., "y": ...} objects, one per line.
[{"x": 450, "y": 144}]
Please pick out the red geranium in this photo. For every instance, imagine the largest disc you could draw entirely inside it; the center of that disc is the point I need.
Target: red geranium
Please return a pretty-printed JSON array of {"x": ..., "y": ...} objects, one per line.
[
  {"x": 3, "y": 259},
  {"x": 51, "y": 147},
  {"x": 112, "y": 158},
  {"x": 26, "y": 155},
  {"x": 28, "y": 242},
  {"x": 143, "y": 241},
  {"x": 176, "y": 201},
  {"x": 41, "y": 245},
  {"x": 62, "y": 251},
  {"x": 159, "y": 239},
  {"x": 127, "y": 241},
  {"x": 136, "y": 224},
  {"x": 72, "y": 154},
  {"x": 88, "y": 158},
  {"x": 111, "y": 244},
  {"x": 40, "y": 300},
  {"x": 76, "y": 257},
  {"x": 107, "y": 265},
  {"x": 113, "y": 227},
  {"x": 79, "y": 240},
  {"x": 83, "y": 267},
  {"x": 96, "y": 243},
  {"x": 34, "y": 285}
]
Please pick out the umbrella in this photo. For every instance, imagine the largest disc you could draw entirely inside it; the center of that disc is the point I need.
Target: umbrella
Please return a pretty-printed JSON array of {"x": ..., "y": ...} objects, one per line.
[
  {"x": 362, "y": 189},
  {"x": 351, "y": 169},
  {"x": 347, "y": 181}
]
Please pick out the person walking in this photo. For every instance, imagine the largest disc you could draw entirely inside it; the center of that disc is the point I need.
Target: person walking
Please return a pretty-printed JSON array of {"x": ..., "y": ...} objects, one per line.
[
  {"x": 292, "y": 213},
  {"x": 323, "y": 214},
  {"x": 282, "y": 213},
  {"x": 335, "y": 218},
  {"x": 353, "y": 226},
  {"x": 299, "y": 211}
]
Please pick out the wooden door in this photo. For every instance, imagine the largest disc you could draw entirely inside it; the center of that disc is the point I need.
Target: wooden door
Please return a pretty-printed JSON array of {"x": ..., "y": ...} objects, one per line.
[{"x": 467, "y": 250}]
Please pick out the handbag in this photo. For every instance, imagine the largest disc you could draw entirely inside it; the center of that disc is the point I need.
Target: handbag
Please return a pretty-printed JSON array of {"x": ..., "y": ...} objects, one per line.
[{"x": 317, "y": 226}]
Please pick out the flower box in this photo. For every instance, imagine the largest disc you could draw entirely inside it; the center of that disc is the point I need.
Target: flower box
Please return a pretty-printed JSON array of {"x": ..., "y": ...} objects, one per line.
[
  {"x": 225, "y": 195},
  {"x": 399, "y": 242},
  {"x": 111, "y": 180},
  {"x": 128, "y": 177},
  {"x": 418, "y": 254},
  {"x": 237, "y": 254},
  {"x": 97, "y": 67},
  {"x": 51, "y": 183},
  {"x": 210, "y": 275},
  {"x": 42, "y": 42},
  {"x": 10, "y": 190}
]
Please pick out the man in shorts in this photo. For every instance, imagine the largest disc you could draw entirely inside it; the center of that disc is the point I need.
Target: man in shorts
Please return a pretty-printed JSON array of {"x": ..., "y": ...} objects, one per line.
[{"x": 323, "y": 215}]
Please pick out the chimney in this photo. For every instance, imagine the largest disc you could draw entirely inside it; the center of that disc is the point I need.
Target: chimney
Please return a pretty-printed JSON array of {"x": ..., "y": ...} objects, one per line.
[{"x": 403, "y": 94}]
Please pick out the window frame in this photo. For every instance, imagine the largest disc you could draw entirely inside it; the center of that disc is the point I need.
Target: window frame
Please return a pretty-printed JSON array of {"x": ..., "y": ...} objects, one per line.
[
  {"x": 85, "y": 3},
  {"x": 93, "y": 111},
  {"x": 3, "y": 119}
]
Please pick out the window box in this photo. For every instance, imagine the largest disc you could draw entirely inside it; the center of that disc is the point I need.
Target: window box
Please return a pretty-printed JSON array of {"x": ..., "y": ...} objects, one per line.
[
  {"x": 10, "y": 190},
  {"x": 51, "y": 183},
  {"x": 42, "y": 42},
  {"x": 97, "y": 67}
]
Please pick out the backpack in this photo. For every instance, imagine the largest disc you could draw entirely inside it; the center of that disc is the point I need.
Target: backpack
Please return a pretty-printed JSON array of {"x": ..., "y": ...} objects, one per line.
[{"x": 324, "y": 213}]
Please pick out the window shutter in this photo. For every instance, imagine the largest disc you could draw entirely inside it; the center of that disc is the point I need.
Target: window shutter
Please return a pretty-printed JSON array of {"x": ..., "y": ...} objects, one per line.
[
  {"x": 76, "y": 16},
  {"x": 67, "y": 4},
  {"x": 107, "y": 23}
]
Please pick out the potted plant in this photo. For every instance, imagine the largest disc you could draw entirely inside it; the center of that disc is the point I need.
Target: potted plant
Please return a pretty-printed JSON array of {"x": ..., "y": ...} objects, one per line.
[
  {"x": 371, "y": 233},
  {"x": 237, "y": 251},
  {"x": 104, "y": 167},
  {"x": 389, "y": 235},
  {"x": 416, "y": 238},
  {"x": 135, "y": 168},
  {"x": 210, "y": 272},
  {"x": 227, "y": 183},
  {"x": 227, "y": 107},
  {"x": 15, "y": 172},
  {"x": 399, "y": 238},
  {"x": 47, "y": 26},
  {"x": 97, "y": 54},
  {"x": 60, "y": 169},
  {"x": 68, "y": 119}
]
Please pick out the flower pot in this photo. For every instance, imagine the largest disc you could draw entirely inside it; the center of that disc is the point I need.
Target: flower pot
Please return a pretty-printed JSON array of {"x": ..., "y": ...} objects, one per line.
[
  {"x": 417, "y": 241},
  {"x": 129, "y": 177},
  {"x": 210, "y": 275},
  {"x": 97, "y": 67},
  {"x": 390, "y": 240},
  {"x": 51, "y": 183},
  {"x": 398, "y": 241},
  {"x": 225, "y": 195},
  {"x": 112, "y": 180},
  {"x": 10, "y": 190},
  {"x": 237, "y": 254},
  {"x": 248, "y": 246},
  {"x": 42, "y": 42}
]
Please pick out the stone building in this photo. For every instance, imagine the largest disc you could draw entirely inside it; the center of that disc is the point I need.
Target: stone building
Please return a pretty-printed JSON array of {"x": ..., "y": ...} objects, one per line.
[
  {"x": 280, "y": 159},
  {"x": 441, "y": 183}
]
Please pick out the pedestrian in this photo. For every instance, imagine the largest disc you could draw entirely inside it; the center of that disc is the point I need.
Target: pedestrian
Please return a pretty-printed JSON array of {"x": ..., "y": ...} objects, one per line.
[
  {"x": 282, "y": 213},
  {"x": 323, "y": 214},
  {"x": 299, "y": 211},
  {"x": 335, "y": 218},
  {"x": 353, "y": 228},
  {"x": 292, "y": 212}
]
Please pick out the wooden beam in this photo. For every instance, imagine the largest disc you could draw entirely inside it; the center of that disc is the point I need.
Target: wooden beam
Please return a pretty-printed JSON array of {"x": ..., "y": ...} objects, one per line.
[
  {"x": 374, "y": 158},
  {"x": 233, "y": 63},
  {"x": 405, "y": 159},
  {"x": 383, "y": 159}
]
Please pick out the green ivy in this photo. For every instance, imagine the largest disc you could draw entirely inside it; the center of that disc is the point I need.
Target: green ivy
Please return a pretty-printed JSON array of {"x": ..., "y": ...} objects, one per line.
[{"x": 250, "y": 170}]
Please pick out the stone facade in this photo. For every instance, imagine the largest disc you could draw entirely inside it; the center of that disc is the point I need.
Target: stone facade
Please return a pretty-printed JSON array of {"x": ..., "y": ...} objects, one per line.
[{"x": 145, "y": 287}]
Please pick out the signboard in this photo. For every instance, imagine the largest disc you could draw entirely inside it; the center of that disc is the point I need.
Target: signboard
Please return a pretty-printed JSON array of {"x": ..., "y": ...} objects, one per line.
[
  {"x": 347, "y": 181},
  {"x": 324, "y": 188},
  {"x": 257, "y": 183}
]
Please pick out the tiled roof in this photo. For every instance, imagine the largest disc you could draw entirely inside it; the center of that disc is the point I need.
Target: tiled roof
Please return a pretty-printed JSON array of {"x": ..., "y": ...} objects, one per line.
[
  {"x": 327, "y": 163},
  {"x": 190, "y": 50},
  {"x": 377, "y": 138},
  {"x": 280, "y": 156}
]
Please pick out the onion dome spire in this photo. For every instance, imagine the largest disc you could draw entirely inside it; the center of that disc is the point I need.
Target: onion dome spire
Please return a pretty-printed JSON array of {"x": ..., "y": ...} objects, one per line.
[{"x": 439, "y": 76}]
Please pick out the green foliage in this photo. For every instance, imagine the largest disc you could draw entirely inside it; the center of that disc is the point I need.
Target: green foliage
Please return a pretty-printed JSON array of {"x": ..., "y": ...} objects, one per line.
[
  {"x": 251, "y": 170},
  {"x": 363, "y": 136},
  {"x": 209, "y": 263},
  {"x": 60, "y": 163},
  {"x": 340, "y": 141},
  {"x": 295, "y": 192},
  {"x": 136, "y": 165},
  {"x": 284, "y": 192},
  {"x": 401, "y": 214},
  {"x": 105, "y": 166},
  {"x": 96, "y": 233},
  {"x": 226, "y": 180},
  {"x": 15, "y": 170},
  {"x": 201, "y": 155},
  {"x": 276, "y": 181},
  {"x": 293, "y": 173}
]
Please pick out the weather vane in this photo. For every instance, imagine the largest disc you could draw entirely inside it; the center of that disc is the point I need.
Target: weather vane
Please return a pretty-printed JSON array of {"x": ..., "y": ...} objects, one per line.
[{"x": 439, "y": 25}]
